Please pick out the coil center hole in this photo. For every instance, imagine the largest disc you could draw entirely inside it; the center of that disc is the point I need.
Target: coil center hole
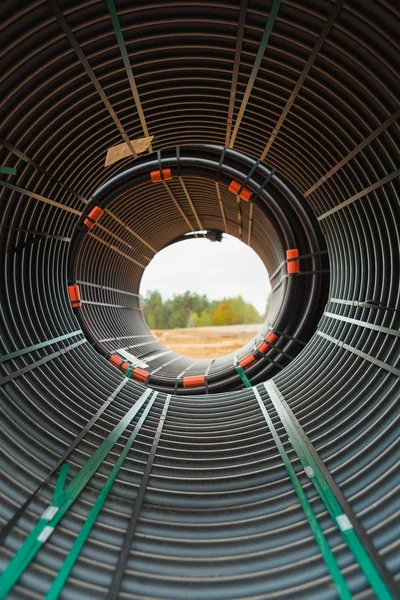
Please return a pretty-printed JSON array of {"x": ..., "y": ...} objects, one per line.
[{"x": 205, "y": 295}]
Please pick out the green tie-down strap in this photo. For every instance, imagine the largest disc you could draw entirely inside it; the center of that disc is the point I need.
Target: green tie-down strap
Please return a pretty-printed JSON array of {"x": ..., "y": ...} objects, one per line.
[
  {"x": 8, "y": 170},
  {"x": 23, "y": 351},
  {"x": 328, "y": 497},
  {"x": 330, "y": 561},
  {"x": 62, "y": 501},
  {"x": 79, "y": 542},
  {"x": 129, "y": 371},
  {"x": 60, "y": 484},
  {"x": 241, "y": 373}
]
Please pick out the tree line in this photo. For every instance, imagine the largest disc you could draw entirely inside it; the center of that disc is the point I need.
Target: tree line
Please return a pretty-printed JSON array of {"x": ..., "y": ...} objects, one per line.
[{"x": 195, "y": 310}]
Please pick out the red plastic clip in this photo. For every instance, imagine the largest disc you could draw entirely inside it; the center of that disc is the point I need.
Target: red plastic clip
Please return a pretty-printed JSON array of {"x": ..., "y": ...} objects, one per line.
[
  {"x": 247, "y": 360},
  {"x": 115, "y": 360},
  {"x": 293, "y": 266},
  {"x": 194, "y": 381},
  {"x": 165, "y": 175},
  {"x": 74, "y": 296},
  {"x": 93, "y": 217},
  {"x": 272, "y": 338},
  {"x": 119, "y": 363},
  {"x": 140, "y": 375},
  {"x": 266, "y": 344},
  {"x": 245, "y": 194}
]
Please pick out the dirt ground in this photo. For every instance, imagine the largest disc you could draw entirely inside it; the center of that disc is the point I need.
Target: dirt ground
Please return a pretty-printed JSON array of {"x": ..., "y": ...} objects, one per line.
[{"x": 207, "y": 342}]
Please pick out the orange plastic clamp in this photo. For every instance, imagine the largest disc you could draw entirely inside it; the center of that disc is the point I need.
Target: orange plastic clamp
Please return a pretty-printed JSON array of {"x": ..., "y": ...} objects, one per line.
[
  {"x": 194, "y": 381},
  {"x": 160, "y": 175},
  {"x": 293, "y": 266},
  {"x": 267, "y": 343},
  {"x": 74, "y": 296},
  {"x": 93, "y": 217},
  {"x": 247, "y": 360},
  {"x": 272, "y": 338},
  {"x": 116, "y": 361},
  {"x": 235, "y": 186},
  {"x": 140, "y": 375}
]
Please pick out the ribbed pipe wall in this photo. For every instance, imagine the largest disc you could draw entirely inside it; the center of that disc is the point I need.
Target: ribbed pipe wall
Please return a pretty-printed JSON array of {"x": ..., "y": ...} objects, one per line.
[
  {"x": 274, "y": 221},
  {"x": 220, "y": 519}
]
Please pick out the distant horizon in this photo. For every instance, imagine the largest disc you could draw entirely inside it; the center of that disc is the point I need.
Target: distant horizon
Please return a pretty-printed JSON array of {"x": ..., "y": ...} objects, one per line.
[
  {"x": 219, "y": 270},
  {"x": 191, "y": 292}
]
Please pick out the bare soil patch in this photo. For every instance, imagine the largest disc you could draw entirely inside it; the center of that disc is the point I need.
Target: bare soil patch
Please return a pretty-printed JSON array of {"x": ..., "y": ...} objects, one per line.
[{"x": 207, "y": 342}]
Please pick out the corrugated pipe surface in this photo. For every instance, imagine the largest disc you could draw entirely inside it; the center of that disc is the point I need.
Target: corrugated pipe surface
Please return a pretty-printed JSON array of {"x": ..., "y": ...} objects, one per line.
[{"x": 119, "y": 482}]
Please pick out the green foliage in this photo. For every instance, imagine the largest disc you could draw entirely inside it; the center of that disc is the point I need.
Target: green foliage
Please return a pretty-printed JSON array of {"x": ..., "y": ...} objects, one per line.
[
  {"x": 223, "y": 314},
  {"x": 195, "y": 310},
  {"x": 177, "y": 319},
  {"x": 153, "y": 310},
  {"x": 205, "y": 319},
  {"x": 234, "y": 311}
]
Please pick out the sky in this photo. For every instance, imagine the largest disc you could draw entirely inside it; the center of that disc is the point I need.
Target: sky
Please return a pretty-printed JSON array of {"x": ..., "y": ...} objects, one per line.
[{"x": 220, "y": 269}]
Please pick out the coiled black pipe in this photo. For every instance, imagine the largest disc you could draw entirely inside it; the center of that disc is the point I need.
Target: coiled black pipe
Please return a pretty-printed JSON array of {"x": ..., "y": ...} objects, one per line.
[
  {"x": 294, "y": 228},
  {"x": 220, "y": 518}
]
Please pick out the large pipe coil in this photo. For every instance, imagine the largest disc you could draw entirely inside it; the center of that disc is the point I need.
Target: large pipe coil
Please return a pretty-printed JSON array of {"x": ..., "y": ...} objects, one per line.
[{"x": 276, "y": 481}]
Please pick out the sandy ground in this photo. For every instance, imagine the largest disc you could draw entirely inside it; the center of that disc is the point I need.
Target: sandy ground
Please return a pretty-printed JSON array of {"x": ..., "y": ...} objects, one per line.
[{"x": 207, "y": 342}]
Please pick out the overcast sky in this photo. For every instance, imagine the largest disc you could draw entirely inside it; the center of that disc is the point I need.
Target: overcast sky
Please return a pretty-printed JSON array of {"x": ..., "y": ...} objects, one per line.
[{"x": 225, "y": 269}]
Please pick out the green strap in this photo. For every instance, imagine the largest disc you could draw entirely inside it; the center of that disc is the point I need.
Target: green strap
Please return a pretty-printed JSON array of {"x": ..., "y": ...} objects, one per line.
[
  {"x": 59, "y": 488},
  {"x": 54, "y": 513},
  {"x": 127, "y": 63},
  {"x": 79, "y": 542},
  {"x": 8, "y": 170},
  {"x": 129, "y": 371},
  {"x": 330, "y": 561},
  {"x": 241, "y": 373},
  {"x": 329, "y": 499},
  {"x": 273, "y": 13},
  {"x": 6, "y": 357},
  {"x": 118, "y": 32}
]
